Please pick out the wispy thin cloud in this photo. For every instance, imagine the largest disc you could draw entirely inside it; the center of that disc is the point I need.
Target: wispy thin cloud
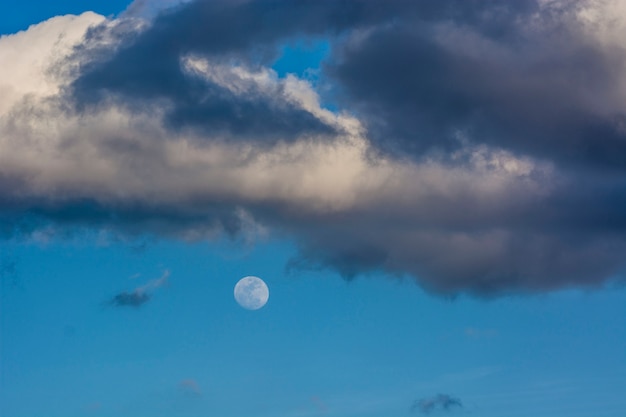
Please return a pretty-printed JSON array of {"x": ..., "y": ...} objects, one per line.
[
  {"x": 439, "y": 402},
  {"x": 140, "y": 295},
  {"x": 190, "y": 387}
]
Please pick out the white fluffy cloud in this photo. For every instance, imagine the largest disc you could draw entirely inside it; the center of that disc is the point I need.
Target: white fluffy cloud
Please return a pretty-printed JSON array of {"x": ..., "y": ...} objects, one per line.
[
  {"x": 29, "y": 58},
  {"x": 113, "y": 155}
]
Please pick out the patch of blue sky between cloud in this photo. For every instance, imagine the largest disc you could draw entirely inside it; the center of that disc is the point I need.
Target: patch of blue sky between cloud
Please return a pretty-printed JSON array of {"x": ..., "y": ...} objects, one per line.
[
  {"x": 304, "y": 58},
  {"x": 15, "y": 17}
]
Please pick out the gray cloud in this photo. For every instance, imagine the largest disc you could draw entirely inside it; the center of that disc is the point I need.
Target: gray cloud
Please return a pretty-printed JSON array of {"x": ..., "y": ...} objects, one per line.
[
  {"x": 478, "y": 147},
  {"x": 440, "y": 402},
  {"x": 513, "y": 76},
  {"x": 130, "y": 299},
  {"x": 146, "y": 66},
  {"x": 140, "y": 295}
]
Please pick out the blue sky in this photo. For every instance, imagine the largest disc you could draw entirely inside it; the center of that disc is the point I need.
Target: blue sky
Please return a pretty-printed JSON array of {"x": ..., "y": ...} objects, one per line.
[
  {"x": 20, "y": 15},
  {"x": 368, "y": 347},
  {"x": 518, "y": 312}
]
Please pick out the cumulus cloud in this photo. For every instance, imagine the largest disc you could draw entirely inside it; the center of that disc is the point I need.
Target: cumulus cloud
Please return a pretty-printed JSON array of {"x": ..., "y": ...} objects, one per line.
[
  {"x": 440, "y": 402},
  {"x": 30, "y": 57},
  {"x": 526, "y": 78},
  {"x": 478, "y": 146},
  {"x": 140, "y": 295}
]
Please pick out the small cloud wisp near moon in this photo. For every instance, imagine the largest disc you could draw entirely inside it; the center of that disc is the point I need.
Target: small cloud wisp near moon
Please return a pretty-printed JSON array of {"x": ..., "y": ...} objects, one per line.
[{"x": 140, "y": 295}]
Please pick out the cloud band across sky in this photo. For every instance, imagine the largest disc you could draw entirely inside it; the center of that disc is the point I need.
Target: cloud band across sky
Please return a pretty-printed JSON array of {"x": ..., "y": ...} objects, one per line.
[{"x": 479, "y": 146}]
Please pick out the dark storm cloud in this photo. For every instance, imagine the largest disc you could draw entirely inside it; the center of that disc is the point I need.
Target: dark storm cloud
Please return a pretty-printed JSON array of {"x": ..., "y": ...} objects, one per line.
[
  {"x": 576, "y": 236},
  {"x": 424, "y": 74},
  {"x": 440, "y": 402},
  {"x": 146, "y": 65},
  {"x": 547, "y": 91}
]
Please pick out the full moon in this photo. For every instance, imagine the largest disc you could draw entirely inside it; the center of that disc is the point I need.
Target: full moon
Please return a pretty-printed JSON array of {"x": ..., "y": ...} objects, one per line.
[{"x": 251, "y": 293}]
